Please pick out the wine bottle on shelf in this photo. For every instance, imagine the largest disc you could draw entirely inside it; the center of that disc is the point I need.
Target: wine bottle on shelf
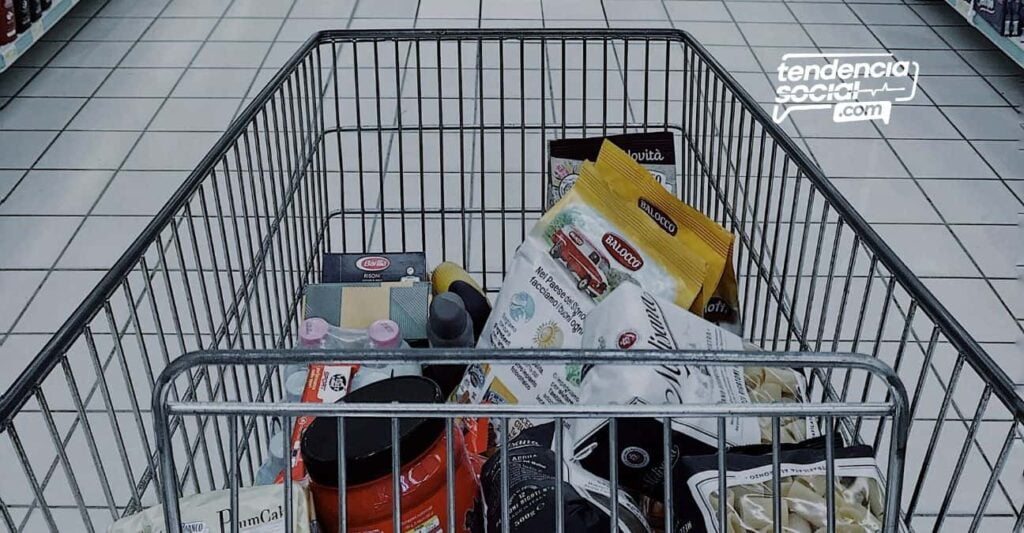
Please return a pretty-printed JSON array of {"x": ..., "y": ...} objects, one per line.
[
  {"x": 35, "y": 10},
  {"x": 47, "y": 4},
  {"x": 22, "y": 16},
  {"x": 8, "y": 28}
]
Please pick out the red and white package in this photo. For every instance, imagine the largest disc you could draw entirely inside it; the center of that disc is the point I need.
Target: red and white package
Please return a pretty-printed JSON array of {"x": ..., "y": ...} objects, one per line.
[{"x": 326, "y": 383}]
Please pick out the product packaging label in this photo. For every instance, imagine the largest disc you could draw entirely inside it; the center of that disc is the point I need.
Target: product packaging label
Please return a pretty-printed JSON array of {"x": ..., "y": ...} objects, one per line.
[
  {"x": 260, "y": 510},
  {"x": 357, "y": 305},
  {"x": 857, "y": 478},
  {"x": 354, "y": 268},
  {"x": 633, "y": 319},
  {"x": 654, "y": 150},
  {"x": 325, "y": 383}
]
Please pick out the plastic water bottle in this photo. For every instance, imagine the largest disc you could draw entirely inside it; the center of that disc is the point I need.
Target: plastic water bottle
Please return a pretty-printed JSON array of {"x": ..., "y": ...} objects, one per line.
[
  {"x": 384, "y": 335},
  {"x": 274, "y": 463}
]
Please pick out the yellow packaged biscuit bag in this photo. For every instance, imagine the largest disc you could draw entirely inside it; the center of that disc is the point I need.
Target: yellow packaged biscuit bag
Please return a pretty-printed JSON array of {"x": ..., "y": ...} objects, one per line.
[{"x": 685, "y": 226}]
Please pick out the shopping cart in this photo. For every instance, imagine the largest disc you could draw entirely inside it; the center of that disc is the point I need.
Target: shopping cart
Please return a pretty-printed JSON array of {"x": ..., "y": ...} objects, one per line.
[{"x": 370, "y": 141}]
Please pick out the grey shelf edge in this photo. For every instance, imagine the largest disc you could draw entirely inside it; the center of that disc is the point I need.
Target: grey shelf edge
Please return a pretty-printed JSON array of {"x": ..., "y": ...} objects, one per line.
[{"x": 9, "y": 53}]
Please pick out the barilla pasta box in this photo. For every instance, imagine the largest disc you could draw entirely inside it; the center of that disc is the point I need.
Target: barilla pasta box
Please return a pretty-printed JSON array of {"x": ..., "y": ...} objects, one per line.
[{"x": 355, "y": 268}]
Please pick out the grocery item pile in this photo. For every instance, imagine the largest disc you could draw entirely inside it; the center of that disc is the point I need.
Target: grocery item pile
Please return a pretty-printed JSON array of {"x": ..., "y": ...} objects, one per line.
[{"x": 616, "y": 262}]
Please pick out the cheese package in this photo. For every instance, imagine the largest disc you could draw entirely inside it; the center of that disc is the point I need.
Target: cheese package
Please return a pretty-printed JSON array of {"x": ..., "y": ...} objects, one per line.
[{"x": 260, "y": 510}]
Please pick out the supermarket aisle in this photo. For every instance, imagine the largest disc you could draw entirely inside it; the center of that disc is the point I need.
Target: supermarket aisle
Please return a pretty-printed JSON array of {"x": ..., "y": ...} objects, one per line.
[{"x": 102, "y": 121}]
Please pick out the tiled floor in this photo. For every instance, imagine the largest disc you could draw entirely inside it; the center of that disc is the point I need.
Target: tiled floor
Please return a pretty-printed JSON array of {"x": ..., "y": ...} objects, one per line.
[{"x": 101, "y": 121}]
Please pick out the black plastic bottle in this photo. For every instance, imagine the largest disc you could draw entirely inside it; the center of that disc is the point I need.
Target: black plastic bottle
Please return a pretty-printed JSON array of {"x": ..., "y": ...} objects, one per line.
[
  {"x": 35, "y": 10},
  {"x": 22, "y": 15}
]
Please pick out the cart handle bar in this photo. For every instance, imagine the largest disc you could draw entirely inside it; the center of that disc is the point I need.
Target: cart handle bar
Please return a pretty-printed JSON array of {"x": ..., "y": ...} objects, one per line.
[{"x": 897, "y": 405}]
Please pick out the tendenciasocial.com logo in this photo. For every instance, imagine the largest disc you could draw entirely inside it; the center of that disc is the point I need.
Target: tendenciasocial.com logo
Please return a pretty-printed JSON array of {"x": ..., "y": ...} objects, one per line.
[{"x": 854, "y": 86}]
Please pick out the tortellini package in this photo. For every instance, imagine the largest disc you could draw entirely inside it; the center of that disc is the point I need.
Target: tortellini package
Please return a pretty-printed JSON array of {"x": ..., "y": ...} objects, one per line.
[
  {"x": 632, "y": 318},
  {"x": 750, "y": 495}
]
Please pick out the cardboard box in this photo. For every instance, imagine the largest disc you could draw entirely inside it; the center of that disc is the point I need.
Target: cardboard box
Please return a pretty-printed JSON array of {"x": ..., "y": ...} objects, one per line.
[
  {"x": 357, "y": 305},
  {"x": 354, "y": 268}
]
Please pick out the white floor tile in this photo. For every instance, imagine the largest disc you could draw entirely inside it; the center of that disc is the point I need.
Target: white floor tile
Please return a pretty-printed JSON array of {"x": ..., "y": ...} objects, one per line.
[
  {"x": 888, "y": 200},
  {"x": 97, "y": 244},
  {"x": 975, "y": 305},
  {"x": 973, "y": 202},
  {"x": 179, "y": 29},
  {"x": 140, "y": 82},
  {"x": 930, "y": 250},
  {"x": 88, "y": 150},
  {"x": 112, "y": 29},
  {"x": 116, "y": 114},
  {"x": 942, "y": 159},
  {"x": 856, "y": 158},
  {"x": 995, "y": 248},
  {"x": 58, "y": 296},
  {"x": 34, "y": 241},
  {"x": 17, "y": 286},
  {"x": 20, "y": 149},
  {"x": 195, "y": 114},
  {"x": 56, "y": 192},
  {"x": 39, "y": 113},
  {"x": 66, "y": 82}
]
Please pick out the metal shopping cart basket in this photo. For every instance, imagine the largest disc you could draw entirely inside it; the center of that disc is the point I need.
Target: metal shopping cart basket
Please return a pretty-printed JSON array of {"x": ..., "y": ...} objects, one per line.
[{"x": 370, "y": 141}]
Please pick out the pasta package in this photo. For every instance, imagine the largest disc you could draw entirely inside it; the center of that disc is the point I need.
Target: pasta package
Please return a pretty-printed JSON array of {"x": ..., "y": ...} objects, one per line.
[
  {"x": 596, "y": 238},
  {"x": 750, "y": 494},
  {"x": 634, "y": 319}
]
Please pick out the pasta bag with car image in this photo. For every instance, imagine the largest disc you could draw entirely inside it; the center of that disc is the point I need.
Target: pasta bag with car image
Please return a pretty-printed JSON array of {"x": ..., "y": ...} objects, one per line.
[{"x": 687, "y": 227}]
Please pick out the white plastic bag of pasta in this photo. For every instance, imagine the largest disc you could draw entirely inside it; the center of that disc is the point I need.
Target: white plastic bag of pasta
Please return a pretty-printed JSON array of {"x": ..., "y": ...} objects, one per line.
[
  {"x": 634, "y": 319},
  {"x": 750, "y": 498}
]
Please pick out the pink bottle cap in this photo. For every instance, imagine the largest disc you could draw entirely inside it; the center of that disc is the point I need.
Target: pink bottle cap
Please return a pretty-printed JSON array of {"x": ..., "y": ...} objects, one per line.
[
  {"x": 312, "y": 332},
  {"x": 385, "y": 334}
]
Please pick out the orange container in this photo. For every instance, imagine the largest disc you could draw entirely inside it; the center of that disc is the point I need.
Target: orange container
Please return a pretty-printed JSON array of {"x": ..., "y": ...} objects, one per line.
[{"x": 422, "y": 453}]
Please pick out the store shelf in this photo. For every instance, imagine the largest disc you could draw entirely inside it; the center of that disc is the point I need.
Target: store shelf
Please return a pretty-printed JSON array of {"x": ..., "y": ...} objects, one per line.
[
  {"x": 1011, "y": 46},
  {"x": 9, "y": 53}
]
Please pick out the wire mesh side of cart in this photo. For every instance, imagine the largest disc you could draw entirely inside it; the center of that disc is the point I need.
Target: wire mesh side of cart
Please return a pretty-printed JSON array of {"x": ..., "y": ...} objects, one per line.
[
  {"x": 435, "y": 141},
  {"x": 242, "y": 417}
]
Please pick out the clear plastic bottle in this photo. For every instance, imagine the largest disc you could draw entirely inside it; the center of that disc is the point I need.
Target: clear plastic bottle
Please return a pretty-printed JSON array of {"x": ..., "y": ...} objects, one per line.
[
  {"x": 274, "y": 463},
  {"x": 384, "y": 335}
]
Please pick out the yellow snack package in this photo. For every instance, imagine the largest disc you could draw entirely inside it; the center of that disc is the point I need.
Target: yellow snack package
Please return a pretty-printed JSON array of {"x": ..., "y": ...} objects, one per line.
[{"x": 685, "y": 227}]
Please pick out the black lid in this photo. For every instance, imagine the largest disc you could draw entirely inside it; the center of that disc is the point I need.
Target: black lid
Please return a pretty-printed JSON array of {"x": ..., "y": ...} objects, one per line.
[
  {"x": 368, "y": 440},
  {"x": 448, "y": 318},
  {"x": 475, "y": 302}
]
